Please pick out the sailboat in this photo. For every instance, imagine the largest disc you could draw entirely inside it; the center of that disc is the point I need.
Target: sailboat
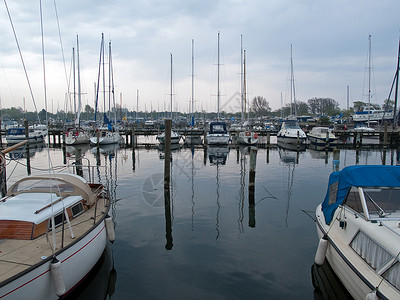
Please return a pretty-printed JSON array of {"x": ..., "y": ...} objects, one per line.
[
  {"x": 53, "y": 230},
  {"x": 107, "y": 134},
  {"x": 175, "y": 137},
  {"x": 194, "y": 136},
  {"x": 218, "y": 134},
  {"x": 246, "y": 136},
  {"x": 290, "y": 132},
  {"x": 77, "y": 135}
]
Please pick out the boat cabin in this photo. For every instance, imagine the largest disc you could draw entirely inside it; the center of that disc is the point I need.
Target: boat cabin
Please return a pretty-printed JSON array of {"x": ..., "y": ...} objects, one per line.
[{"x": 218, "y": 128}]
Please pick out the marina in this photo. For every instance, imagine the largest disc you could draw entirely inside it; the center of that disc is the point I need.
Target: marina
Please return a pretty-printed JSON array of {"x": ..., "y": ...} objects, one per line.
[{"x": 239, "y": 224}]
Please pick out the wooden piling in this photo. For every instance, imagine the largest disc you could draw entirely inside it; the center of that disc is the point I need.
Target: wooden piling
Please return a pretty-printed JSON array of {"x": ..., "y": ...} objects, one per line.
[
  {"x": 28, "y": 158},
  {"x": 252, "y": 179},
  {"x": 385, "y": 136}
]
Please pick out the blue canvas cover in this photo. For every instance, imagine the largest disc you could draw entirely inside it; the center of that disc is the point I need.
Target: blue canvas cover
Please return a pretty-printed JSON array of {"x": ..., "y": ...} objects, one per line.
[{"x": 357, "y": 176}]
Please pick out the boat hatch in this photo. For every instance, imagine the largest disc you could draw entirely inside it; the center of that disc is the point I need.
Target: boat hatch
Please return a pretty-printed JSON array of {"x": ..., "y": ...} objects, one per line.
[
  {"x": 393, "y": 275},
  {"x": 374, "y": 203},
  {"x": 370, "y": 251}
]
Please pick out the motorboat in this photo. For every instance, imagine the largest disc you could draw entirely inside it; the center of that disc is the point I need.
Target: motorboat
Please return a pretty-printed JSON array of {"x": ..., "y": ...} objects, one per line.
[
  {"x": 370, "y": 113},
  {"x": 17, "y": 134},
  {"x": 322, "y": 136},
  {"x": 175, "y": 137},
  {"x": 291, "y": 133},
  {"x": 358, "y": 227},
  {"x": 218, "y": 134},
  {"x": 53, "y": 230},
  {"x": 247, "y": 137}
]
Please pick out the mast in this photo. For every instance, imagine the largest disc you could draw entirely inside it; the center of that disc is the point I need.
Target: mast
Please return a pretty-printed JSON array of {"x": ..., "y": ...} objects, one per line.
[
  {"x": 244, "y": 83},
  {"x": 192, "y": 117},
  {"x": 73, "y": 66},
  {"x": 241, "y": 78},
  {"x": 218, "y": 92},
  {"x": 78, "y": 111},
  {"x": 137, "y": 104},
  {"x": 292, "y": 86},
  {"x": 171, "y": 86},
  {"x": 397, "y": 83},
  {"x": 369, "y": 77}
]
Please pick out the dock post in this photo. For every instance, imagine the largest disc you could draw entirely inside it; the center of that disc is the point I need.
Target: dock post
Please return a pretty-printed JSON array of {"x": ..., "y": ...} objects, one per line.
[
  {"x": 252, "y": 179},
  {"x": 298, "y": 140},
  {"x": 167, "y": 178},
  {"x": 28, "y": 158},
  {"x": 78, "y": 162},
  {"x": 385, "y": 136},
  {"x": 327, "y": 141},
  {"x": 268, "y": 139}
]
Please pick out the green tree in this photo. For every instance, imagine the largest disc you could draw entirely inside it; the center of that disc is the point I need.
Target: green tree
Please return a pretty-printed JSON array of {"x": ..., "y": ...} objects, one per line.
[{"x": 260, "y": 106}]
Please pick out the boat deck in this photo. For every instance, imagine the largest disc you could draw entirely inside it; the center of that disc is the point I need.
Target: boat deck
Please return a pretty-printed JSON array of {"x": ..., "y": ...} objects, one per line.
[{"x": 18, "y": 255}]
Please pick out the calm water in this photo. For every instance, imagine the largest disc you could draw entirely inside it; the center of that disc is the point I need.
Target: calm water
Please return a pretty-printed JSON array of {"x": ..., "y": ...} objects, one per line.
[{"x": 211, "y": 242}]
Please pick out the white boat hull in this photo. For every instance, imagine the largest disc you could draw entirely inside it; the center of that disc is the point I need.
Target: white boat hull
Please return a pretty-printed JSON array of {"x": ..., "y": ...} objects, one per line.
[
  {"x": 218, "y": 139},
  {"x": 34, "y": 137},
  {"x": 247, "y": 138},
  {"x": 81, "y": 138},
  {"x": 106, "y": 138},
  {"x": 76, "y": 262}
]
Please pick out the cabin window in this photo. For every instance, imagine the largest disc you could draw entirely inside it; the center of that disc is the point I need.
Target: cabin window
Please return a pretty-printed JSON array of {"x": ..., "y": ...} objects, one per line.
[
  {"x": 393, "y": 275},
  {"x": 77, "y": 209},
  {"x": 370, "y": 251},
  {"x": 58, "y": 220}
]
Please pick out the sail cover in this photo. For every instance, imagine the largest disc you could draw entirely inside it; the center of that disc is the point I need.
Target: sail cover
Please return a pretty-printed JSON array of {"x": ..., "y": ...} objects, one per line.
[{"x": 358, "y": 176}]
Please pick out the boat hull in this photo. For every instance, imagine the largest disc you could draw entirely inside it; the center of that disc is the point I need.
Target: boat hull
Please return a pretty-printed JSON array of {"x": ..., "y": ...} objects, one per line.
[
  {"x": 358, "y": 278},
  {"x": 76, "y": 262},
  {"x": 247, "y": 138},
  {"x": 320, "y": 141},
  {"x": 106, "y": 139},
  {"x": 218, "y": 139}
]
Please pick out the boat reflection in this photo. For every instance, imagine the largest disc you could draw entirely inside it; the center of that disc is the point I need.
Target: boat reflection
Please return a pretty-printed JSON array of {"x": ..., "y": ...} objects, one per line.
[
  {"x": 218, "y": 154},
  {"x": 22, "y": 152},
  {"x": 71, "y": 150},
  {"x": 326, "y": 284},
  {"x": 109, "y": 149}
]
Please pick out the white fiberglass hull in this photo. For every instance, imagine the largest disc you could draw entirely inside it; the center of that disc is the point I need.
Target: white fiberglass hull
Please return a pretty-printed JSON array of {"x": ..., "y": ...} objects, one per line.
[
  {"x": 34, "y": 137},
  {"x": 76, "y": 262},
  {"x": 81, "y": 138},
  {"x": 247, "y": 138},
  {"x": 358, "y": 278},
  {"x": 106, "y": 138},
  {"x": 217, "y": 139},
  {"x": 175, "y": 138}
]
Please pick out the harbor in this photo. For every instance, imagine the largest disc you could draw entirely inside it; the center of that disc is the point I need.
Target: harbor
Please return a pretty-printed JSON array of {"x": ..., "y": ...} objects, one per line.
[{"x": 227, "y": 232}]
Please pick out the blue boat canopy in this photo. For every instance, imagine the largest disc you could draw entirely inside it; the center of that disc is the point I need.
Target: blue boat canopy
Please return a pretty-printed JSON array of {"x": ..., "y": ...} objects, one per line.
[{"x": 341, "y": 182}]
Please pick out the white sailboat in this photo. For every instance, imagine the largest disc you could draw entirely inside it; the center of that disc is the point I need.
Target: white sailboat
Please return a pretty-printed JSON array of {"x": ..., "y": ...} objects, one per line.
[
  {"x": 290, "y": 132},
  {"x": 77, "y": 135},
  {"x": 245, "y": 136},
  {"x": 107, "y": 134},
  {"x": 218, "y": 134},
  {"x": 175, "y": 137}
]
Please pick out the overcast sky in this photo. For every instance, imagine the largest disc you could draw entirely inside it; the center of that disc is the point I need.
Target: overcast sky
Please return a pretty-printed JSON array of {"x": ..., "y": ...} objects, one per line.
[{"x": 329, "y": 38}]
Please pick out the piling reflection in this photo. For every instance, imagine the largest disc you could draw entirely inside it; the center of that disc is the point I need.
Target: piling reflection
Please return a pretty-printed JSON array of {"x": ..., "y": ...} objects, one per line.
[
  {"x": 22, "y": 152},
  {"x": 252, "y": 178}
]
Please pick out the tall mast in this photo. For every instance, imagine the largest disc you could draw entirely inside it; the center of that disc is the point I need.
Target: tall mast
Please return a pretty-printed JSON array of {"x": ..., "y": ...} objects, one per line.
[
  {"x": 369, "y": 76},
  {"x": 244, "y": 82},
  {"x": 192, "y": 117},
  {"x": 171, "y": 86},
  {"x": 218, "y": 92},
  {"x": 292, "y": 86},
  {"x": 109, "y": 78},
  {"x": 137, "y": 104},
  {"x": 241, "y": 78},
  {"x": 78, "y": 111},
  {"x": 73, "y": 65},
  {"x": 397, "y": 83}
]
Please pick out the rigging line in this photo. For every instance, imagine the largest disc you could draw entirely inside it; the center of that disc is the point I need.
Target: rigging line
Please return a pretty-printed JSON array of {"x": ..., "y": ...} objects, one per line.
[
  {"x": 22, "y": 59},
  {"x": 62, "y": 48}
]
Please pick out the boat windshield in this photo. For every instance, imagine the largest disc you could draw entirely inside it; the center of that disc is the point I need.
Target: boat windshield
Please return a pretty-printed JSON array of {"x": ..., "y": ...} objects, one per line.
[
  {"x": 381, "y": 201},
  {"x": 43, "y": 185},
  {"x": 218, "y": 128},
  {"x": 292, "y": 125}
]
